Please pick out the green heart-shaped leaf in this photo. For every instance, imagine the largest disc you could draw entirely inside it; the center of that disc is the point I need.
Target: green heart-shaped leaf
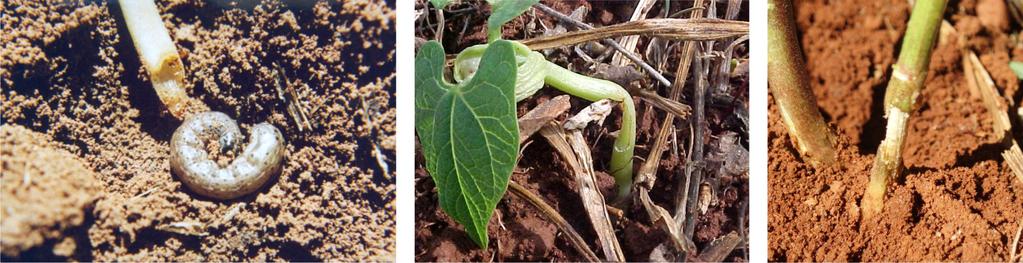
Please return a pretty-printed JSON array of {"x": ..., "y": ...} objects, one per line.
[{"x": 468, "y": 133}]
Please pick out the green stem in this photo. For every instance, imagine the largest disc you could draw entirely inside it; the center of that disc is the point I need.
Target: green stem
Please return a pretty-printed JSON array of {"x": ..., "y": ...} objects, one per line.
[
  {"x": 908, "y": 76},
  {"x": 493, "y": 35},
  {"x": 789, "y": 82},
  {"x": 594, "y": 89}
]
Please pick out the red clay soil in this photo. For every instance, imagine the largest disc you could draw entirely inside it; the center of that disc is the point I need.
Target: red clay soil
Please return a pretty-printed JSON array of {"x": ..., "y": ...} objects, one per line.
[
  {"x": 956, "y": 200},
  {"x": 70, "y": 75},
  {"x": 517, "y": 230}
]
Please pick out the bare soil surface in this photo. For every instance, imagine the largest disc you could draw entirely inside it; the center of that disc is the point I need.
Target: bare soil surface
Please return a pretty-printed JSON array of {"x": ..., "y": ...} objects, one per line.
[
  {"x": 73, "y": 88},
  {"x": 518, "y": 231},
  {"x": 34, "y": 172},
  {"x": 956, "y": 199}
]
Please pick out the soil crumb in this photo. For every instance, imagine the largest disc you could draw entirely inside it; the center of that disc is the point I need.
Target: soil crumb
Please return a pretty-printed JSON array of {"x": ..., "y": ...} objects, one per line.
[
  {"x": 46, "y": 190},
  {"x": 955, "y": 200},
  {"x": 70, "y": 73}
]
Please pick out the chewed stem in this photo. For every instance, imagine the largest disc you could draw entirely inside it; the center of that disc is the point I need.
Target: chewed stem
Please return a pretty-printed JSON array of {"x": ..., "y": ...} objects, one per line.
[
  {"x": 158, "y": 54},
  {"x": 886, "y": 163},
  {"x": 900, "y": 99}
]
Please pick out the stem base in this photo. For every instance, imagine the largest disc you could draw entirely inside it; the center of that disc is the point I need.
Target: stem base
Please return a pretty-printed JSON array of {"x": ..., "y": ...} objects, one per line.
[{"x": 887, "y": 163}]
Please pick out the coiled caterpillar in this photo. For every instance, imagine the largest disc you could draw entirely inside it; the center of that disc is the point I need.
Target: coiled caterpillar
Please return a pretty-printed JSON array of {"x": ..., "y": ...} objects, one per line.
[{"x": 258, "y": 161}]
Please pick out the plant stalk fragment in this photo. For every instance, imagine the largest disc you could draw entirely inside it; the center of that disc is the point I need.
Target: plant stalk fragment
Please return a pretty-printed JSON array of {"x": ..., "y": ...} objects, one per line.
[
  {"x": 908, "y": 75},
  {"x": 158, "y": 53},
  {"x": 788, "y": 80},
  {"x": 677, "y": 29}
]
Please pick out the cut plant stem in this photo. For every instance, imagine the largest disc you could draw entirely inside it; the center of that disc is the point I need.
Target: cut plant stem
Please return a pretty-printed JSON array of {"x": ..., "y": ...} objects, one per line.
[
  {"x": 908, "y": 76},
  {"x": 157, "y": 52},
  {"x": 789, "y": 81}
]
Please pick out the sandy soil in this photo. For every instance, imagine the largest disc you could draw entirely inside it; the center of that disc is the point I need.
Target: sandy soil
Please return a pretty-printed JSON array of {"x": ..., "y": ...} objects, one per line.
[
  {"x": 31, "y": 214},
  {"x": 518, "y": 231},
  {"x": 956, "y": 200},
  {"x": 73, "y": 87}
]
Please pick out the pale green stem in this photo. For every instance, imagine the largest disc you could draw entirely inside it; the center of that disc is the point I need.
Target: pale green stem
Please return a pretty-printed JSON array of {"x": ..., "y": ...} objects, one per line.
[
  {"x": 157, "y": 53},
  {"x": 908, "y": 76},
  {"x": 594, "y": 89}
]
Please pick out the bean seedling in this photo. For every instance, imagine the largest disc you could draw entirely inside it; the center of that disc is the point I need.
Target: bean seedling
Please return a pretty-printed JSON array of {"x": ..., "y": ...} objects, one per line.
[
  {"x": 468, "y": 130},
  {"x": 534, "y": 71}
]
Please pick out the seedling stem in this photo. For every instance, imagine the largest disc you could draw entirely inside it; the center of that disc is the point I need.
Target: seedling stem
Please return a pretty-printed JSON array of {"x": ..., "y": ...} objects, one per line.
[
  {"x": 157, "y": 52},
  {"x": 908, "y": 76},
  {"x": 788, "y": 79}
]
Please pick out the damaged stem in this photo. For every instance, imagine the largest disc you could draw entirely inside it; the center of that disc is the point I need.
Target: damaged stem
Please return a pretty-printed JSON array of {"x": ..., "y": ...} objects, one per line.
[
  {"x": 157, "y": 52},
  {"x": 908, "y": 76}
]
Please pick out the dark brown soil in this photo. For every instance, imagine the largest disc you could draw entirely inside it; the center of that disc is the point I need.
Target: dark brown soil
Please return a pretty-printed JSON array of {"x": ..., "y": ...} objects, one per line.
[
  {"x": 956, "y": 200},
  {"x": 518, "y": 232},
  {"x": 70, "y": 74}
]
